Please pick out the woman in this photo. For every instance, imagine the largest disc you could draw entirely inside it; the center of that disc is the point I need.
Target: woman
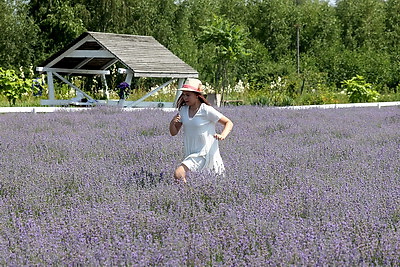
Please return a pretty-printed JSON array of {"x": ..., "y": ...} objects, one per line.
[{"x": 198, "y": 119}]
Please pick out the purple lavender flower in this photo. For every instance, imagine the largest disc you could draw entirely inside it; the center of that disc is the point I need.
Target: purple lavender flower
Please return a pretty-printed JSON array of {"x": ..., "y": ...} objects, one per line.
[{"x": 305, "y": 187}]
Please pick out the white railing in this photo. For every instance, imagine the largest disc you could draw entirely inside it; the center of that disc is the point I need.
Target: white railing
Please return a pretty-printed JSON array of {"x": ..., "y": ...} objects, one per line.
[
  {"x": 168, "y": 107},
  {"x": 350, "y": 105}
]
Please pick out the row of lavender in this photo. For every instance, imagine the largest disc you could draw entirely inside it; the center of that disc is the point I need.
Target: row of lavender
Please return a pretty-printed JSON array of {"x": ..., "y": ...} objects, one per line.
[{"x": 306, "y": 187}]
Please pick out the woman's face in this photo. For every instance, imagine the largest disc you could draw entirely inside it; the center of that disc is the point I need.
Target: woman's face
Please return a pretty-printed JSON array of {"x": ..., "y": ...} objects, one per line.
[{"x": 190, "y": 98}]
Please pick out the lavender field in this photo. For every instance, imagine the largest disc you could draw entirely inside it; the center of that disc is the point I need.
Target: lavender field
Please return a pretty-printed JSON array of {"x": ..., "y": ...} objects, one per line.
[{"x": 302, "y": 187}]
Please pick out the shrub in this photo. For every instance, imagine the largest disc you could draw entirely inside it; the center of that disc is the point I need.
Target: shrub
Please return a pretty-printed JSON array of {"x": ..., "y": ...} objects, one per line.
[
  {"x": 359, "y": 90},
  {"x": 312, "y": 98},
  {"x": 12, "y": 86}
]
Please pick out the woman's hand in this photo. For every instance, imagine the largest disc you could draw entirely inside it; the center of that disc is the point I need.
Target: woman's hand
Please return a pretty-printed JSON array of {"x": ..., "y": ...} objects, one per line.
[
  {"x": 177, "y": 118},
  {"x": 219, "y": 137},
  {"x": 228, "y": 125},
  {"x": 175, "y": 125}
]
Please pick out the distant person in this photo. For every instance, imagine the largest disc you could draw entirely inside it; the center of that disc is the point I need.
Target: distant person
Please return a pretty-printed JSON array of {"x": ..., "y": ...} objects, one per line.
[{"x": 198, "y": 118}]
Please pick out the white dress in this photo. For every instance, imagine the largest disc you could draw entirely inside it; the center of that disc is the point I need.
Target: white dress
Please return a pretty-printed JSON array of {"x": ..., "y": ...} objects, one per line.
[{"x": 200, "y": 146}]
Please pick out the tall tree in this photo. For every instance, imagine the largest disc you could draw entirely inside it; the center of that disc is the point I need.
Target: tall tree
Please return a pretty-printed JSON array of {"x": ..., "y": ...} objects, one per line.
[
  {"x": 393, "y": 23},
  {"x": 349, "y": 38},
  {"x": 318, "y": 24},
  {"x": 185, "y": 45},
  {"x": 363, "y": 23},
  {"x": 229, "y": 41},
  {"x": 393, "y": 37},
  {"x": 319, "y": 45},
  {"x": 364, "y": 37},
  {"x": 18, "y": 35},
  {"x": 272, "y": 23},
  {"x": 59, "y": 22},
  {"x": 118, "y": 16}
]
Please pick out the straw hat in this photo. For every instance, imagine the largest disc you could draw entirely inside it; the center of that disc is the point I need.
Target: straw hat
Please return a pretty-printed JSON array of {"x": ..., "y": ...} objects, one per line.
[{"x": 192, "y": 85}]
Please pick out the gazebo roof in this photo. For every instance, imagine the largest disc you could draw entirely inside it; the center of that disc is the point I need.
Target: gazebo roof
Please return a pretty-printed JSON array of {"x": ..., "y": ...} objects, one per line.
[{"x": 144, "y": 56}]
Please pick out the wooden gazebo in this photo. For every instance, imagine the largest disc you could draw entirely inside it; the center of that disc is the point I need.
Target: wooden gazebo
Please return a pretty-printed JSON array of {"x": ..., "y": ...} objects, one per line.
[{"x": 93, "y": 53}]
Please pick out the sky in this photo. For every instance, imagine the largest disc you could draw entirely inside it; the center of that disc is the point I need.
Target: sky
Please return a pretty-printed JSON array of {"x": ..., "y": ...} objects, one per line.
[{"x": 332, "y": 2}]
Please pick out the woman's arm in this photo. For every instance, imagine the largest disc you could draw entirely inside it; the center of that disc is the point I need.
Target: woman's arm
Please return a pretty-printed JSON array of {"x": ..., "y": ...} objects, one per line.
[
  {"x": 228, "y": 125},
  {"x": 175, "y": 125}
]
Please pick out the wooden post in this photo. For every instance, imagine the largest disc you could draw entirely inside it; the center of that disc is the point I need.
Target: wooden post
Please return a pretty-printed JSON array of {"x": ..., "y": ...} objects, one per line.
[
  {"x": 50, "y": 85},
  {"x": 128, "y": 78},
  {"x": 105, "y": 86},
  {"x": 298, "y": 47},
  {"x": 178, "y": 93}
]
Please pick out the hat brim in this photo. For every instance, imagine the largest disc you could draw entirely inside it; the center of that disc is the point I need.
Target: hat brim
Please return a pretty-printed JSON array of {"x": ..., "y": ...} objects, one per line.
[{"x": 190, "y": 90}]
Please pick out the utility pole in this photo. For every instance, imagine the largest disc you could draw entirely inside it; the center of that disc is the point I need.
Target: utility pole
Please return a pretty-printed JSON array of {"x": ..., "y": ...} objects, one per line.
[
  {"x": 298, "y": 48},
  {"x": 298, "y": 2}
]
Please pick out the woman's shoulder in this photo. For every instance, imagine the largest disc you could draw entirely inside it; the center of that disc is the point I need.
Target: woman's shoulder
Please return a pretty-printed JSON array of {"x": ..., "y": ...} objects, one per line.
[
  {"x": 206, "y": 107},
  {"x": 211, "y": 113},
  {"x": 209, "y": 108}
]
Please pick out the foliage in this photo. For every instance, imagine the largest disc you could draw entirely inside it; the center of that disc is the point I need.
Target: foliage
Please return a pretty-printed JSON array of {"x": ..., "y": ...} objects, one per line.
[
  {"x": 272, "y": 23},
  {"x": 25, "y": 101},
  {"x": 301, "y": 188},
  {"x": 19, "y": 35},
  {"x": 13, "y": 86},
  {"x": 342, "y": 41},
  {"x": 59, "y": 22},
  {"x": 270, "y": 99},
  {"x": 229, "y": 41},
  {"x": 359, "y": 90},
  {"x": 363, "y": 23},
  {"x": 392, "y": 25},
  {"x": 389, "y": 97}
]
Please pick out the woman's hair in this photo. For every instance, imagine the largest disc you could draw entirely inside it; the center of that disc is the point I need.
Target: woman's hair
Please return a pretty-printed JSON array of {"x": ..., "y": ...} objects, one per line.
[{"x": 180, "y": 103}]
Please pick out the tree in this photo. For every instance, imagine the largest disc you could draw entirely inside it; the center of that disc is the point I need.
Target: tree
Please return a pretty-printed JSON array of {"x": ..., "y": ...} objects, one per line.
[
  {"x": 393, "y": 23},
  {"x": 338, "y": 42},
  {"x": 320, "y": 44},
  {"x": 229, "y": 41},
  {"x": 272, "y": 23},
  {"x": 363, "y": 23},
  {"x": 364, "y": 36},
  {"x": 59, "y": 22},
  {"x": 18, "y": 35},
  {"x": 184, "y": 44},
  {"x": 319, "y": 26},
  {"x": 393, "y": 37}
]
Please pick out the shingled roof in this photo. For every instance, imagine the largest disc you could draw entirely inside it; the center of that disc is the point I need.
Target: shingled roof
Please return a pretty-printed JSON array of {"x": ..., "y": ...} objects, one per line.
[{"x": 144, "y": 56}]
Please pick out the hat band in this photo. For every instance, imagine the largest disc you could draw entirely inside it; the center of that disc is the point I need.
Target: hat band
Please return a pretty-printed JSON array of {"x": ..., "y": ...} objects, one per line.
[{"x": 191, "y": 87}]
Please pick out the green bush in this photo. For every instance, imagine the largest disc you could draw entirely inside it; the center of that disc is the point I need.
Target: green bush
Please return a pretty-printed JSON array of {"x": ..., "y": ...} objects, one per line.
[
  {"x": 270, "y": 99},
  {"x": 389, "y": 97},
  {"x": 258, "y": 99},
  {"x": 12, "y": 86},
  {"x": 312, "y": 98},
  {"x": 359, "y": 91}
]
